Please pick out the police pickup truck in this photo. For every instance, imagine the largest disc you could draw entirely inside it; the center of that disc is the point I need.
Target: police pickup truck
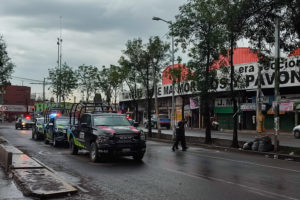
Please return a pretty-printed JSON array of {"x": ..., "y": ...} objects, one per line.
[{"x": 104, "y": 133}]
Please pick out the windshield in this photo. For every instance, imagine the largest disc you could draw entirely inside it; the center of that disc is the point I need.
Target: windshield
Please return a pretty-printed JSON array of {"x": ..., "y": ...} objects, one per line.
[
  {"x": 40, "y": 120},
  {"x": 62, "y": 121},
  {"x": 111, "y": 121},
  {"x": 26, "y": 120}
]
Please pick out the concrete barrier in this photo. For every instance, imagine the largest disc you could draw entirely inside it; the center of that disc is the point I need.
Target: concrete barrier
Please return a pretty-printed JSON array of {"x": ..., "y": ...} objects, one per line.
[{"x": 5, "y": 157}]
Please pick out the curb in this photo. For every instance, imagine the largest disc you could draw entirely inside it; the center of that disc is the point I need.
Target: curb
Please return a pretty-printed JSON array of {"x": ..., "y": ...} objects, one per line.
[
  {"x": 199, "y": 142},
  {"x": 41, "y": 182}
]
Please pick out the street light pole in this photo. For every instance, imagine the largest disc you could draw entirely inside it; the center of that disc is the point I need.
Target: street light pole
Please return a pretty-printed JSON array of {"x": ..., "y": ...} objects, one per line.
[{"x": 173, "y": 85}]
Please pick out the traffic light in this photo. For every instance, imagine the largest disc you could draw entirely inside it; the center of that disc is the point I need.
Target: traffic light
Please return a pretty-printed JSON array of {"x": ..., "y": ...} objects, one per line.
[{"x": 33, "y": 108}]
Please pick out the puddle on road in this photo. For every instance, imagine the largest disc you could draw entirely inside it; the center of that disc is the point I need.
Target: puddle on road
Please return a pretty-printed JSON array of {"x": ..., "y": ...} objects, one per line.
[{"x": 69, "y": 178}]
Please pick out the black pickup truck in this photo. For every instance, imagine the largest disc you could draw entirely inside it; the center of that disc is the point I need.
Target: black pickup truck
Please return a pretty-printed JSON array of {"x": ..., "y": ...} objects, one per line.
[{"x": 105, "y": 134}]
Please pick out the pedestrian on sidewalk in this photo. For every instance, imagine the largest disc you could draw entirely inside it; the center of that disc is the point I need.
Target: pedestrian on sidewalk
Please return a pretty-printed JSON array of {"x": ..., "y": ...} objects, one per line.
[{"x": 180, "y": 137}]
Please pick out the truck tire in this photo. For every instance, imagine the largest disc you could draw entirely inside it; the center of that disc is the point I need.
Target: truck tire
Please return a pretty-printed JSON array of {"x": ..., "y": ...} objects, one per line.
[
  {"x": 73, "y": 147},
  {"x": 55, "y": 143},
  {"x": 297, "y": 134},
  {"x": 94, "y": 155},
  {"x": 138, "y": 156}
]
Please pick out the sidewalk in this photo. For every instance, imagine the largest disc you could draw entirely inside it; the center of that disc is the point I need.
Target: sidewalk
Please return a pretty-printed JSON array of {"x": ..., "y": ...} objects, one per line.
[
  {"x": 32, "y": 177},
  {"x": 8, "y": 189},
  {"x": 289, "y": 146}
]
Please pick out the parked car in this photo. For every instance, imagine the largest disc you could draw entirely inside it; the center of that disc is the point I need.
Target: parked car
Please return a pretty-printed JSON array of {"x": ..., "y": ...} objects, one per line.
[
  {"x": 296, "y": 131},
  {"x": 24, "y": 122},
  {"x": 164, "y": 121},
  {"x": 38, "y": 129}
]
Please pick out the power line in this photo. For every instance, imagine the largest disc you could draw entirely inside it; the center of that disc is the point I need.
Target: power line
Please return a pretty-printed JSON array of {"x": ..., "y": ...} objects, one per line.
[{"x": 28, "y": 79}]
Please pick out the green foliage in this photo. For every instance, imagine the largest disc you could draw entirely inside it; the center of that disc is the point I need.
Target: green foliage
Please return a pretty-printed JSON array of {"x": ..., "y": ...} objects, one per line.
[
  {"x": 87, "y": 79},
  {"x": 110, "y": 82},
  {"x": 199, "y": 29},
  {"x": 6, "y": 66},
  {"x": 63, "y": 81}
]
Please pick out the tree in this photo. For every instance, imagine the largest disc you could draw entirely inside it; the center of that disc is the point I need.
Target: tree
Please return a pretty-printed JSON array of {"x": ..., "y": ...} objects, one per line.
[
  {"x": 104, "y": 84},
  {"x": 6, "y": 66},
  {"x": 145, "y": 61},
  {"x": 198, "y": 28},
  {"x": 237, "y": 14},
  {"x": 63, "y": 81},
  {"x": 115, "y": 80},
  {"x": 136, "y": 56},
  {"x": 158, "y": 55},
  {"x": 87, "y": 78},
  {"x": 131, "y": 79}
]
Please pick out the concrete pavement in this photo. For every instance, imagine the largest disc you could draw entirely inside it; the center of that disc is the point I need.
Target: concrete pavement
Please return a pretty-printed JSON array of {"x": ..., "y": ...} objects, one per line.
[{"x": 34, "y": 178}]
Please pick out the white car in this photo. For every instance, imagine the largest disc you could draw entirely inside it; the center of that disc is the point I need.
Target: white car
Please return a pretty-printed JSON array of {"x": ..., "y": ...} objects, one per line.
[{"x": 296, "y": 131}]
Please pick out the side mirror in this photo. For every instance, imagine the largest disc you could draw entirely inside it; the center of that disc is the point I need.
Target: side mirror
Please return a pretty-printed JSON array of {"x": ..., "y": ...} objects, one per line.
[{"x": 136, "y": 124}]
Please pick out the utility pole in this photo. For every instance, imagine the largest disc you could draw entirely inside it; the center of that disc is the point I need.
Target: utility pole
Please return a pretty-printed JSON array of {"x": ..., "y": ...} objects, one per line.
[
  {"x": 173, "y": 84},
  {"x": 59, "y": 57},
  {"x": 276, "y": 88},
  {"x": 259, "y": 126},
  {"x": 259, "y": 120},
  {"x": 156, "y": 101}
]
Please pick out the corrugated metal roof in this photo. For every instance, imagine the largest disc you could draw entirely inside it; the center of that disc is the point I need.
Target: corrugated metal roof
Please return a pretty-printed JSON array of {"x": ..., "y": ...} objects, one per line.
[{"x": 296, "y": 52}]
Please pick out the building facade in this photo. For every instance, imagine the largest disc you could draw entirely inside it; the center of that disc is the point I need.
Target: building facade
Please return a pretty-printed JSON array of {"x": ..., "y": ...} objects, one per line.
[
  {"x": 246, "y": 63},
  {"x": 15, "y": 101}
]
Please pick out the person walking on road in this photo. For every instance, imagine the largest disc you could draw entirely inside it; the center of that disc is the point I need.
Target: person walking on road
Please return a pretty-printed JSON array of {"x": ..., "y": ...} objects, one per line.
[{"x": 180, "y": 137}]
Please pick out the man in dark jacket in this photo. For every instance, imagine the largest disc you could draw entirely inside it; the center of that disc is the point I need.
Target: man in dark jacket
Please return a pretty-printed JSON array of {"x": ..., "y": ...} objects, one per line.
[{"x": 180, "y": 137}]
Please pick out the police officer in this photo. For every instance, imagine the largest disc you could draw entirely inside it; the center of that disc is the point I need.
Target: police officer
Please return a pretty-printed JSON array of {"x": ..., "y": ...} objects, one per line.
[{"x": 180, "y": 137}]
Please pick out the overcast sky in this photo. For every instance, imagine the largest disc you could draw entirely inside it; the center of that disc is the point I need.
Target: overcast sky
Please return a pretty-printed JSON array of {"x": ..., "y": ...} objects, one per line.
[{"x": 94, "y": 31}]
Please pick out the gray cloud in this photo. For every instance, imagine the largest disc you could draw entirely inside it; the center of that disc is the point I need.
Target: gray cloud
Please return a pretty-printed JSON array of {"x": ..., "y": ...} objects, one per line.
[{"x": 94, "y": 31}]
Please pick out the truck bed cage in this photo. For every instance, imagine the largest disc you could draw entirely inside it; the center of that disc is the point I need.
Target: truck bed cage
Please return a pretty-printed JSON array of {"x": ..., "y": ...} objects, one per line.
[{"x": 79, "y": 108}]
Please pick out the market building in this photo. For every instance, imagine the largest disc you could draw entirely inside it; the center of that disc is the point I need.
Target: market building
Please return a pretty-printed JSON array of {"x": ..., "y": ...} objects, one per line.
[{"x": 246, "y": 63}]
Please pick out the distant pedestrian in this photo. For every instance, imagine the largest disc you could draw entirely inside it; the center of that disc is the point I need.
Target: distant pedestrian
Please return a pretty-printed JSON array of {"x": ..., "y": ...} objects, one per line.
[{"x": 180, "y": 137}]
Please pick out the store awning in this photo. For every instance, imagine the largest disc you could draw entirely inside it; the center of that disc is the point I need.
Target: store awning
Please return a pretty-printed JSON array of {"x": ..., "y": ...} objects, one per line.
[
  {"x": 271, "y": 112},
  {"x": 223, "y": 110}
]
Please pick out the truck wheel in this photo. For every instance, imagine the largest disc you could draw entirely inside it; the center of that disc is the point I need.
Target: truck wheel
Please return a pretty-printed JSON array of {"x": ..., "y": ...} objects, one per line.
[
  {"x": 34, "y": 135},
  {"x": 138, "y": 156},
  {"x": 46, "y": 141},
  {"x": 297, "y": 134},
  {"x": 73, "y": 147},
  {"x": 94, "y": 152},
  {"x": 55, "y": 143}
]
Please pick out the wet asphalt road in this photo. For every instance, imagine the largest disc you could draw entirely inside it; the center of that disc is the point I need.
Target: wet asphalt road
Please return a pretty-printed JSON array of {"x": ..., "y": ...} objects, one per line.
[
  {"x": 195, "y": 174},
  {"x": 285, "y": 139}
]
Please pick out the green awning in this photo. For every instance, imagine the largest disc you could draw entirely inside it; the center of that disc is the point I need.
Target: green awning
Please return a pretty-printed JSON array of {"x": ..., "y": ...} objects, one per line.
[
  {"x": 298, "y": 107},
  {"x": 223, "y": 110}
]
